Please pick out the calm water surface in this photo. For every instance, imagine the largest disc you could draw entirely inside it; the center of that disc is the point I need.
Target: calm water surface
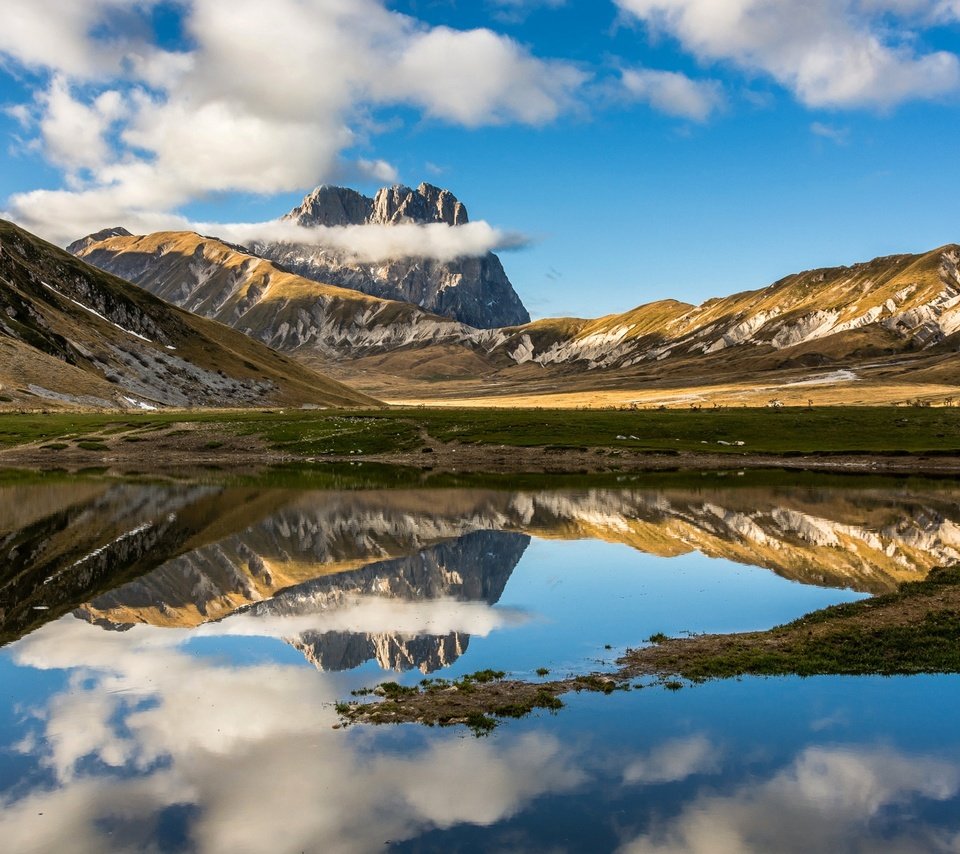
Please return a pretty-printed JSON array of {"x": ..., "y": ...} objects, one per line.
[{"x": 174, "y": 652}]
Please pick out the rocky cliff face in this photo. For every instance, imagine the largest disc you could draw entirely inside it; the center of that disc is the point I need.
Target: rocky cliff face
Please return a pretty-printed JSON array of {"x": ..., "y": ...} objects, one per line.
[
  {"x": 332, "y": 206},
  {"x": 475, "y": 291}
]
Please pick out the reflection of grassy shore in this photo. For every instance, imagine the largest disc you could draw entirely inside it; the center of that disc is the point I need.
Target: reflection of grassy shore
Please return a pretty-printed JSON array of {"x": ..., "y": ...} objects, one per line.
[
  {"x": 505, "y": 438},
  {"x": 914, "y": 630}
]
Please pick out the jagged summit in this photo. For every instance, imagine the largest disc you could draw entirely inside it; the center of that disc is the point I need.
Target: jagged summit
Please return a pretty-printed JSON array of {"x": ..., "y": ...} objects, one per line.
[
  {"x": 475, "y": 291},
  {"x": 328, "y": 205}
]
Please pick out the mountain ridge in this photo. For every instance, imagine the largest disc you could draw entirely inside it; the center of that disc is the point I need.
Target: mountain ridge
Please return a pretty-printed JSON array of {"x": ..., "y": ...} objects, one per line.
[{"x": 899, "y": 302}]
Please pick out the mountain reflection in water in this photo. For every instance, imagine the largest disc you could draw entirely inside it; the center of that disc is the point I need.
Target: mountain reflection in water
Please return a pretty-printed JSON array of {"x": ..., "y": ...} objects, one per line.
[
  {"x": 181, "y": 648},
  {"x": 121, "y": 554}
]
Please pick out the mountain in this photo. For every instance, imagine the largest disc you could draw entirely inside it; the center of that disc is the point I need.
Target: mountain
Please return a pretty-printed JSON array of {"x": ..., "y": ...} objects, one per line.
[
  {"x": 66, "y": 542},
  {"x": 475, "y": 291},
  {"x": 309, "y": 548},
  {"x": 72, "y": 334},
  {"x": 260, "y": 298},
  {"x": 885, "y": 305},
  {"x": 892, "y": 315},
  {"x": 473, "y": 568}
]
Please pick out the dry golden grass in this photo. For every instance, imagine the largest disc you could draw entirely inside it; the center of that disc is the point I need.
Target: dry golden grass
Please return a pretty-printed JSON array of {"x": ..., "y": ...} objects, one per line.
[{"x": 836, "y": 394}]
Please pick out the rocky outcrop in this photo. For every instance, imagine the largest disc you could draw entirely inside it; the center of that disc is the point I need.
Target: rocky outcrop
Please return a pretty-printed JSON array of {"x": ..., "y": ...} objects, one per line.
[
  {"x": 333, "y": 206},
  {"x": 474, "y": 291},
  {"x": 77, "y": 247}
]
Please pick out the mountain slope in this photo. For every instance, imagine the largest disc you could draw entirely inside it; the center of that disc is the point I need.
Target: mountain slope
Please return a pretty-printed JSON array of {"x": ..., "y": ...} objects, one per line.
[
  {"x": 902, "y": 301},
  {"x": 71, "y": 334},
  {"x": 895, "y": 308},
  {"x": 260, "y": 298}
]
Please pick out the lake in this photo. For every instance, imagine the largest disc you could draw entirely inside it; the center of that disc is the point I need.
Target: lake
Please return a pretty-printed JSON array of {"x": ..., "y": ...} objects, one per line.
[{"x": 173, "y": 653}]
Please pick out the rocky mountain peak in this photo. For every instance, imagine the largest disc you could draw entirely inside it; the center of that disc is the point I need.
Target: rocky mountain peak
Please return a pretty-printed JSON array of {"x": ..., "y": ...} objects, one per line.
[
  {"x": 426, "y": 204},
  {"x": 78, "y": 246},
  {"x": 475, "y": 291},
  {"x": 331, "y": 206}
]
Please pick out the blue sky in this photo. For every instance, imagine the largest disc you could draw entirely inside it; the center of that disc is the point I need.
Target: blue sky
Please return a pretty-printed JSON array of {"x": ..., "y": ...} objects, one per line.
[{"x": 644, "y": 148}]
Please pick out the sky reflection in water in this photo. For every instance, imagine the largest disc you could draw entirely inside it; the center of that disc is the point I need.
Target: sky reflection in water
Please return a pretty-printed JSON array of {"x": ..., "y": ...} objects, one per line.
[{"x": 218, "y": 736}]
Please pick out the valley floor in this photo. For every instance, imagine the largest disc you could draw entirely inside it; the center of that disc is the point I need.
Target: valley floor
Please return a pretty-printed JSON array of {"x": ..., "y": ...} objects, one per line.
[
  {"x": 915, "y": 440},
  {"x": 743, "y": 379}
]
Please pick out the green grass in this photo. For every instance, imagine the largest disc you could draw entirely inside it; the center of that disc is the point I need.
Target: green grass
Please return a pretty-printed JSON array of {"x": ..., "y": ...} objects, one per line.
[
  {"x": 835, "y": 429},
  {"x": 887, "y": 430}
]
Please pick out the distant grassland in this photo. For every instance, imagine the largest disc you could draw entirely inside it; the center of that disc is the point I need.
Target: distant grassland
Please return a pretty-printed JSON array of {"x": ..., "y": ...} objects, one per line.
[{"x": 870, "y": 430}]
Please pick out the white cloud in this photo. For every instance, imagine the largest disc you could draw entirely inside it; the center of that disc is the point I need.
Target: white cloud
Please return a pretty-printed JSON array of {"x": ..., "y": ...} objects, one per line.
[
  {"x": 375, "y": 615},
  {"x": 372, "y": 243},
  {"x": 62, "y": 216},
  {"x": 927, "y": 11},
  {"x": 838, "y": 135},
  {"x": 58, "y": 36},
  {"x": 478, "y": 77},
  {"x": 378, "y": 170},
  {"x": 146, "y": 725},
  {"x": 516, "y": 11},
  {"x": 829, "y": 53},
  {"x": 823, "y": 800},
  {"x": 73, "y": 132},
  {"x": 674, "y": 93},
  {"x": 266, "y": 100},
  {"x": 674, "y": 761},
  {"x": 218, "y": 146}
]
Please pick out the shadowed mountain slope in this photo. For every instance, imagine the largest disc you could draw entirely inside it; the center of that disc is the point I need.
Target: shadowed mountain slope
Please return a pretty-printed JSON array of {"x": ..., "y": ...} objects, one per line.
[{"x": 71, "y": 334}]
